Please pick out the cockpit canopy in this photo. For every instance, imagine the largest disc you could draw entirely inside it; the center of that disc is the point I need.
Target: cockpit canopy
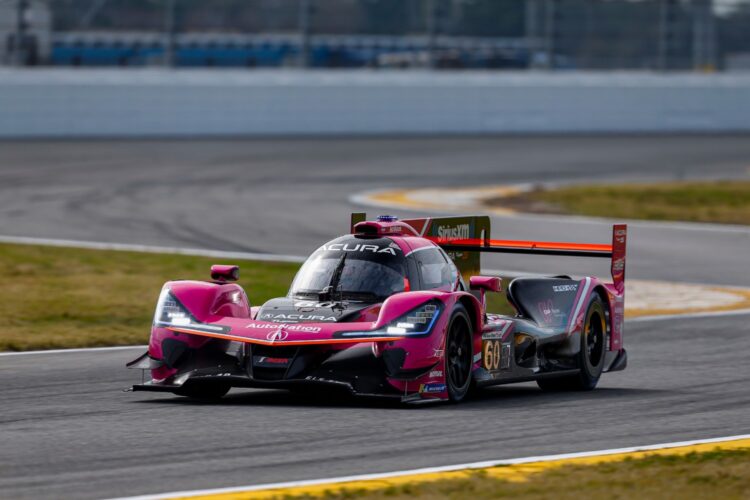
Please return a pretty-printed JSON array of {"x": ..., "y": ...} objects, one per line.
[
  {"x": 371, "y": 270},
  {"x": 349, "y": 268}
]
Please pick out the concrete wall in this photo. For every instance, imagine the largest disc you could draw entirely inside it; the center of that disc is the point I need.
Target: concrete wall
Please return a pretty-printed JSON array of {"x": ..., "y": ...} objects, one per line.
[{"x": 154, "y": 102}]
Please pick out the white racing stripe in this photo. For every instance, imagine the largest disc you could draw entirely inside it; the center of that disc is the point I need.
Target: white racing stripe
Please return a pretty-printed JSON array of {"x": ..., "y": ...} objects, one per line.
[
  {"x": 126, "y": 247},
  {"x": 584, "y": 298},
  {"x": 431, "y": 470}
]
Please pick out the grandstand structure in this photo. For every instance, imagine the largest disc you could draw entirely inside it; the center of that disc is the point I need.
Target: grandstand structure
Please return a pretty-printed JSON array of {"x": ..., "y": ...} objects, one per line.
[
  {"x": 95, "y": 48},
  {"x": 703, "y": 35}
]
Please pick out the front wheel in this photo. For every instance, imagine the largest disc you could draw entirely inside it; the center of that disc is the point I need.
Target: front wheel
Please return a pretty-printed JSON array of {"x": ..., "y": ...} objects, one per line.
[
  {"x": 458, "y": 355},
  {"x": 590, "y": 359}
]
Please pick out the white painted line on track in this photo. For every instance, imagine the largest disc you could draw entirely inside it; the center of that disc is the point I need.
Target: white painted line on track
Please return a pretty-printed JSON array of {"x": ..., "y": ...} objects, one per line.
[
  {"x": 697, "y": 315},
  {"x": 127, "y": 247},
  {"x": 431, "y": 470},
  {"x": 75, "y": 349}
]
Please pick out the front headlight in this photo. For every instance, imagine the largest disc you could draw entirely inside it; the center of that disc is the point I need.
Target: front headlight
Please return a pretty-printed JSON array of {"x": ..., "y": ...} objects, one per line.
[
  {"x": 417, "y": 322},
  {"x": 169, "y": 312}
]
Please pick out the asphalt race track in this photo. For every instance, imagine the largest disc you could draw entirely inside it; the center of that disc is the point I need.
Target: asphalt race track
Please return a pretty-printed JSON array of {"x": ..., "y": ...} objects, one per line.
[
  {"x": 290, "y": 196},
  {"x": 68, "y": 431}
]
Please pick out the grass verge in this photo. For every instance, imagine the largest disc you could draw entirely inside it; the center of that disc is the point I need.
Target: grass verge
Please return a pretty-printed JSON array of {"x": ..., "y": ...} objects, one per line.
[
  {"x": 54, "y": 297},
  {"x": 711, "y": 474},
  {"x": 65, "y": 297},
  {"x": 721, "y": 201}
]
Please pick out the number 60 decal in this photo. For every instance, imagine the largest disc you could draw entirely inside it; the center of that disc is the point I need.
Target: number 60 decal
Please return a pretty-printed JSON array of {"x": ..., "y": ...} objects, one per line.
[{"x": 491, "y": 354}]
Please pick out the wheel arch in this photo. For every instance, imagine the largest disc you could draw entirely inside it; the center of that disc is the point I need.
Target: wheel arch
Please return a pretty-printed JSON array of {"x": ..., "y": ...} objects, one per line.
[
  {"x": 604, "y": 296},
  {"x": 474, "y": 311}
]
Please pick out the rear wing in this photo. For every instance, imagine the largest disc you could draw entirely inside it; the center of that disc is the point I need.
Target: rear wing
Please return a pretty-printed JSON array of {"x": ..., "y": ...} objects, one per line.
[
  {"x": 466, "y": 238},
  {"x": 615, "y": 252}
]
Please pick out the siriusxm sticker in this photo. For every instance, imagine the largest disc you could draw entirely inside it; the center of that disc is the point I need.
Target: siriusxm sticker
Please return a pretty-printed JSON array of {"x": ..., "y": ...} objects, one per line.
[{"x": 428, "y": 388}]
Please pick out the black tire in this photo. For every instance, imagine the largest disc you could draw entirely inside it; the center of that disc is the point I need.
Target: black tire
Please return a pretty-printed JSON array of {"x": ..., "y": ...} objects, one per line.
[
  {"x": 205, "y": 391},
  {"x": 458, "y": 355},
  {"x": 590, "y": 359}
]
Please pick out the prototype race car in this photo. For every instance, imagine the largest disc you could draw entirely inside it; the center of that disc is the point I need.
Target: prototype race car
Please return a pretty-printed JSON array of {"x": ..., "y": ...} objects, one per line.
[{"x": 386, "y": 311}]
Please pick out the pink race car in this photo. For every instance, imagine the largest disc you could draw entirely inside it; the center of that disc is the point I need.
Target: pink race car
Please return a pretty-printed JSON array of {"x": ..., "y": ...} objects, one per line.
[{"x": 386, "y": 311}]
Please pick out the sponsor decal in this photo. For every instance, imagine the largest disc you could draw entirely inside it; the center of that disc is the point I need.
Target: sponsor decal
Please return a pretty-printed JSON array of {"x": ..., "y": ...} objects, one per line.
[
  {"x": 438, "y": 353},
  {"x": 291, "y": 328},
  {"x": 282, "y": 318},
  {"x": 499, "y": 330},
  {"x": 309, "y": 303},
  {"x": 457, "y": 232},
  {"x": 564, "y": 288},
  {"x": 436, "y": 373},
  {"x": 265, "y": 360},
  {"x": 358, "y": 247},
  {"x": 492, "y": 335},
  {"x": 505, "y": 360},
  {"x": 618, "y": 265},
  {"x": 546, "y": 308},
  {"x": 550, "y": 312},
  {"x": 277, "y": 335},
  {"x": 431, "y": 388},
  {"x": 274, "y": 360}
]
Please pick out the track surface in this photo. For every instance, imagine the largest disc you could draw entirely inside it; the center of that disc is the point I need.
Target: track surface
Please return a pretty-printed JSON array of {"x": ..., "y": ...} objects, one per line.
[
  {"x": 289, "y": 196},
  {"x": 67, "y": 431}
]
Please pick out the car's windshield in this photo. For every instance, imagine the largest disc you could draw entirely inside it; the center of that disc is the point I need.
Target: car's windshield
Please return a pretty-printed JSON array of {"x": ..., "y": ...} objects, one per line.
[{"x": 365, "y": 270}]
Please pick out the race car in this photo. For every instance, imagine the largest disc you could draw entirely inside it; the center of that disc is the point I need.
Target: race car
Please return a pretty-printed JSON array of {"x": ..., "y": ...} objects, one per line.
[{"x": 395, "y": 309}]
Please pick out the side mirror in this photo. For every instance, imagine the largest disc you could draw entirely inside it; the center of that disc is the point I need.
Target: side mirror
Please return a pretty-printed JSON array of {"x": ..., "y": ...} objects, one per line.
[
  {"x": 222, "y": 273},
  {"x": 486, "y": 283}
]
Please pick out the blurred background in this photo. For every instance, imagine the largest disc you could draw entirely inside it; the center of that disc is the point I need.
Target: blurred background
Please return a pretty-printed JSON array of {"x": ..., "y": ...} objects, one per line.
[
  {"x": 664, "y": 35},
  {"x": 217, "y": 68}
]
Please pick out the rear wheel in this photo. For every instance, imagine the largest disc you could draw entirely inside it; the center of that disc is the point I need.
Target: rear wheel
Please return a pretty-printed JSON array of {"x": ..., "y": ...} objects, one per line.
[
  {"x": 590, "y": 359},
  {"x": 205, "y": 391},
  {"x": 458, "y": 355}
]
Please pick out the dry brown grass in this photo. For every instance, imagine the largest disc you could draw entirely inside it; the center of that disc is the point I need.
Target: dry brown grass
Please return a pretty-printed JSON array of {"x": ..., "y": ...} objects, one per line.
[{"x": 722, "y": 201}]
